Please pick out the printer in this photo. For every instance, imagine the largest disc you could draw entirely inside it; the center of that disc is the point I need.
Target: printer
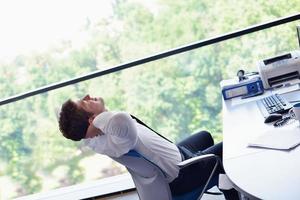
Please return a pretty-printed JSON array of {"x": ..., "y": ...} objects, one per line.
[{"x": 280, "y": 70}]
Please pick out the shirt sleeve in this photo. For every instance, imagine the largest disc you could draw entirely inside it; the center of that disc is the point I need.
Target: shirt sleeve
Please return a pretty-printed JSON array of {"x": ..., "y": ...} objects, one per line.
[{"x": 122, "y": 132}]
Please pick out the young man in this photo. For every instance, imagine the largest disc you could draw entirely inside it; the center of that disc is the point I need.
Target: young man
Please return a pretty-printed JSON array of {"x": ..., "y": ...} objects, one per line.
[{"x": 115, "y": 133}]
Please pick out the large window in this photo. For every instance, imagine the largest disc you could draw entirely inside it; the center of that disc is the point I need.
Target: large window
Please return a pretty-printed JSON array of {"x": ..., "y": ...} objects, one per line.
[{"x": 45, "y": 42}]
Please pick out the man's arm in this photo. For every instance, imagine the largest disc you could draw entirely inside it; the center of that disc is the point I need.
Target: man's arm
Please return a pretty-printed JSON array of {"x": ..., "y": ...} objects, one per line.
[
  {"x": 122, "y": 125},
  {"x": 120, "y": 132}
]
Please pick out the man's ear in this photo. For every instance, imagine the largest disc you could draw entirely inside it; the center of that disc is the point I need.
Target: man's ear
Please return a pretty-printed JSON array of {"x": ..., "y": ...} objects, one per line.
[{"x": 91, "y": 119}]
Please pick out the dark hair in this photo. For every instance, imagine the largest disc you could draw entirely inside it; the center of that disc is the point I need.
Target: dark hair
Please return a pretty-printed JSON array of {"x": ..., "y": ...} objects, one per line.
[{"x": 73, "y": 121}]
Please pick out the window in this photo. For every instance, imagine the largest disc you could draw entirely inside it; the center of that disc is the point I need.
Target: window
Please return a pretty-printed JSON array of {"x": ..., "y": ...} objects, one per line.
[{"x": 50, "y": 41}]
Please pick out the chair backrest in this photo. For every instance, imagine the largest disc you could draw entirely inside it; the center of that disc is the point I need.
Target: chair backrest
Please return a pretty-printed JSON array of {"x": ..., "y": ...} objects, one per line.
[{"x": 148, "y": 178}]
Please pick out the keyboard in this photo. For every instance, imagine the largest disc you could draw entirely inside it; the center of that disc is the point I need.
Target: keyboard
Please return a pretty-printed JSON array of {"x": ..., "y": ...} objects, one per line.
[{"x": 274, "y": 103}]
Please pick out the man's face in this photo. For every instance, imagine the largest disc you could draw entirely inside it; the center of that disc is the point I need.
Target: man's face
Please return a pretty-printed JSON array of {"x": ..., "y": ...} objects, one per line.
[{"x": 92, "y": 104}]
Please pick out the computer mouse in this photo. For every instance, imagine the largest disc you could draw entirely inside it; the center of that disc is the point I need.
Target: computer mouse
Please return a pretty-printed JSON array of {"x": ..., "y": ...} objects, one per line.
[{"x": 273, "y": 117}]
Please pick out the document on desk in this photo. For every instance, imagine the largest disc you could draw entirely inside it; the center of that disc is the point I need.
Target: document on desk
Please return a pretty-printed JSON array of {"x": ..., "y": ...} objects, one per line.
[{"x": 277, "y": 138}]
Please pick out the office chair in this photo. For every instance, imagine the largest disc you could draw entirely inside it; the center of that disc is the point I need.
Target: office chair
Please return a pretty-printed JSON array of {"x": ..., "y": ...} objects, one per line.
[{"x": 150, "y": 180}]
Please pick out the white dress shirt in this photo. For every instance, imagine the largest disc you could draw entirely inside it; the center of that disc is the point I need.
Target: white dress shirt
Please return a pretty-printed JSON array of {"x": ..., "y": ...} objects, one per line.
[{"x": 122, "y": 133}]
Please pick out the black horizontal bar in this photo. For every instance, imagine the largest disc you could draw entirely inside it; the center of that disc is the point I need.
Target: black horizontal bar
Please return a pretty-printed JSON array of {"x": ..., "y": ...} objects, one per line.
[{"x": 154, "y": 57}]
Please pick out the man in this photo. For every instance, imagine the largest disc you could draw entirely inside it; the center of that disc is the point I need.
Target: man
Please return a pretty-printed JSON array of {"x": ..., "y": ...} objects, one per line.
[{"x": 115, "y": 133}]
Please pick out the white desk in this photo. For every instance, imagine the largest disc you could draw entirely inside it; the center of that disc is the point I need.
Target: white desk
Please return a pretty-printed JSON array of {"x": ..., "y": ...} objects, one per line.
[{"x": 257, "y": 172}]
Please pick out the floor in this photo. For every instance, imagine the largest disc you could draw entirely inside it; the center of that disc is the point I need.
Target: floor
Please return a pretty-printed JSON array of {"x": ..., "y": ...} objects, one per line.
[{"x": 133, "y": 196}]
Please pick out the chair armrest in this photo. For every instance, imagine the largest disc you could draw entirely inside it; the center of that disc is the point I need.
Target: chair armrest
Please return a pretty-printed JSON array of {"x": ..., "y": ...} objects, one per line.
[{"x": 196, "y": 159}]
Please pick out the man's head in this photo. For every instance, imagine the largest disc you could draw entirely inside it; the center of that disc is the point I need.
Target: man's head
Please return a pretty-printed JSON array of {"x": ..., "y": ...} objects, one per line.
[{"x": 75, "y": 117}]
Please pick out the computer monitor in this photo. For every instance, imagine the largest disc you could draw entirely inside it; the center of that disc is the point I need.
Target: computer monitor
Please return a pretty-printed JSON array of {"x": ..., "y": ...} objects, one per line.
[{"x": 298, "y": 34}]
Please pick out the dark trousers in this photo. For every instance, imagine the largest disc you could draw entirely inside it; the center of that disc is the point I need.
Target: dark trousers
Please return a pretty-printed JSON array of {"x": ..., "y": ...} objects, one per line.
[{"x": 196, "y": 175}]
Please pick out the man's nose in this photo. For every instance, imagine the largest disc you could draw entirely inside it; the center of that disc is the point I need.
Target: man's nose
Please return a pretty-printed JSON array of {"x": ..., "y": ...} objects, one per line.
[{"x": 87, "y": 97}]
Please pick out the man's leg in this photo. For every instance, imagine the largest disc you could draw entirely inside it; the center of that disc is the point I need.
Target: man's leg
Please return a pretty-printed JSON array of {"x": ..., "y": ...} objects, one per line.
[
  {"x": 197, "y": 174},
  {"x": 197, "y": 142},
  {"x": 216, "y": 149}
]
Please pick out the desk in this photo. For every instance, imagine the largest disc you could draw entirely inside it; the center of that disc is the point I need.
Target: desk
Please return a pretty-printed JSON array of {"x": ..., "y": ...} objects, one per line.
[{"x": 256, "y": 172}]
